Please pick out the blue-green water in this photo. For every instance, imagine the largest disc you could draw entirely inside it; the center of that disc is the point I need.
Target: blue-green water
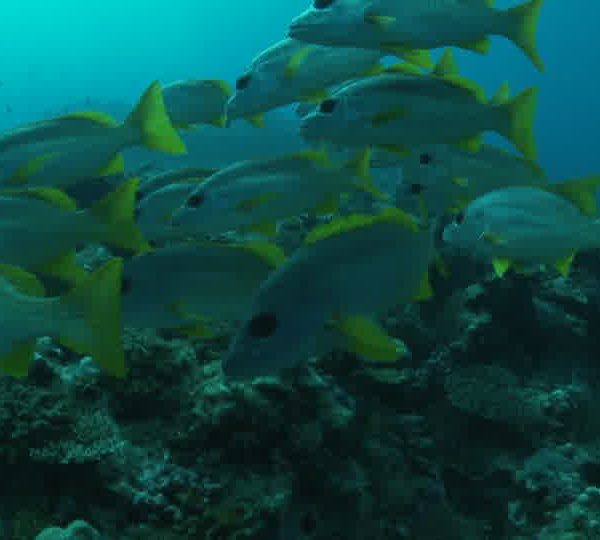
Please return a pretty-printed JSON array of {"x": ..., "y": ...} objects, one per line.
[{"x": 56, "y": 53}]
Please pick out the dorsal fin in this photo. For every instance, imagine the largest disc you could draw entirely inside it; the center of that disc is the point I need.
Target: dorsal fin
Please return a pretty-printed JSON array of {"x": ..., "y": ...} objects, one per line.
[
  {"x": 100, "y": 118},
  {"x": 502, "y": 95},
  {"x": 404, "y": 68},
  {"x": 358, "y": 221},
  {"x": 22, "y": 280},
  {"x": 320, "y": 156},
  {"x": 270, "y": 253},
  {"x": 447, "y": 70},
  {"x": 446, "y": 65},
  {"x": 53, "y": 196},
  {"x": 221, "y": 85},
  {"x": 581, "y": 192}
]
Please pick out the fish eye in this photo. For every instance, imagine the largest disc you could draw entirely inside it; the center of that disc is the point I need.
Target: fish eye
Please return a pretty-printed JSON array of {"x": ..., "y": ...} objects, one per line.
[
  {"x": 243, "y": 82},
  {"x": 415, "y": 189},
  {"x": 126, "y": 285},
  {"x": 263, "y": 325},
  {"x": 322, "y": 4},
  {"x": 195, "y": 200},
  {"x": 459, "y": 218},
  {"x": 327, "y": 106},
  {"x": 425, "y": 158}
]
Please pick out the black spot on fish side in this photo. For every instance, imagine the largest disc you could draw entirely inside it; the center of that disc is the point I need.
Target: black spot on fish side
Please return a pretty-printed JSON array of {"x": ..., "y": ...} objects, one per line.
[
  {"x": 459, "y": 218},
  {"x": 425, "y": 159},
  {"x": 322, "y": 4},
  {"x": 243, "y": 82},
  {"x": 126, "y": 285},
  {"x": 416, "y": 189},
  {"x": 327, "y": 106},
  {"x": 263, "y": 325},
  {"x": 196, "y": 200}
]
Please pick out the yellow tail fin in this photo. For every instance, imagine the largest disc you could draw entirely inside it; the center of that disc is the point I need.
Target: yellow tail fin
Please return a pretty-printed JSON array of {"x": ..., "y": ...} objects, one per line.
[
  {"x": 523, "y": 28},
  {"x": 521, "y": 114},
  {"x": 117, "y": 210},
  {"x": 18, "y": 361},
  {"x": 97, "y": 300},
  {"x": 581, "y": 192},
  {"x": 150, "y": 117}
]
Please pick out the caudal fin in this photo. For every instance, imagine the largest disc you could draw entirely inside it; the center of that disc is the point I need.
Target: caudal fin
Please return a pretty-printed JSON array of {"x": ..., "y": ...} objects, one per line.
[
  {"x": 522, "y": 28},
  {"x": 97, "y": 300},
  {"x": 580, "y": 192},
  {"x": 150, "y": 117},
  {"x": 18, "y": 361},
  {"x": 520, "y": 122},
  {"x": 117, "y": 211}
]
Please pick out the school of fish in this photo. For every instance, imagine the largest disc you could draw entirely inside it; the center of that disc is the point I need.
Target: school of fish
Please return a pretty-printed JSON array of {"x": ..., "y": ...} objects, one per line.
[{"x": 194, "y": 249}]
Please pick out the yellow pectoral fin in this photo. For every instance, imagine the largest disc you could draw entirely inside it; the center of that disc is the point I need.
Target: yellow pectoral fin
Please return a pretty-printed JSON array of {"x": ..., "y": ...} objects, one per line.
[
  {"x": 380, "y": 21},
  {"x": 198, "y": 330},
  {"x": 366, "y": 338},
  {"x": 295, "y": 61},
  {"x": 388, "y": 117},
  {"x": 442, "y": 267},
  {"x": 265, "y": 228},
  {"x": 329, "y": 205},
  {"x": 220, "y": 121},
  {"x": 257, "y": 120},
  {"x": 472, "y": 144},
  {"x": 252, "y": 203},
  {"x": 493, "y": 238},
  {"x": 564, "y": 265},
  {"x": 501, "y": 265},
  {"x": 401, "y": 151},
  {"x": 460, "y": 181},
  {"x": 314, "y": 97},
  {"x": 425, "y": 291},
  {"x": 197, "y": 326}
]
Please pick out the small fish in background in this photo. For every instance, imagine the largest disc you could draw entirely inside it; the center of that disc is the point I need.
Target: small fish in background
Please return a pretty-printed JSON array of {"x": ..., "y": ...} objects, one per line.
[
  {"x": 403, "y": 108},
  {"x": 86, "y": 320},
  {"x": 416, "y": 25},
  {"x": 61, "y": 151},
  {"x": 194, "y": 102},
  {"x": 186, "y": 287},
  {"x": 41, "y": 228},
  {"x": 522, "y": 226},
  {"x": 291, "y": 71},
  {"x": 255, "y": 195},
  {"x": 346, "y": 273},
  {"x": 442, "y": 178}
]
